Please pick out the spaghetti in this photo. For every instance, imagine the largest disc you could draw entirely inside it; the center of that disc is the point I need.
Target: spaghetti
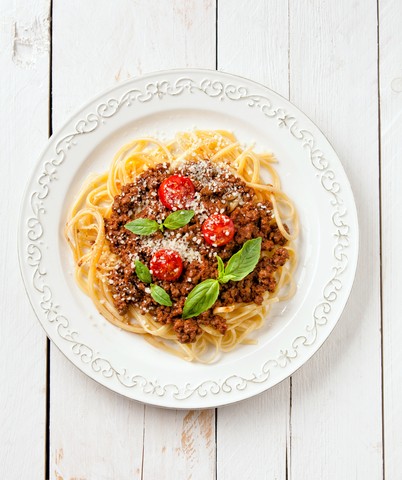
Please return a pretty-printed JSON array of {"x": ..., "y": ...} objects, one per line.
[{"x": 96, "y": 261}]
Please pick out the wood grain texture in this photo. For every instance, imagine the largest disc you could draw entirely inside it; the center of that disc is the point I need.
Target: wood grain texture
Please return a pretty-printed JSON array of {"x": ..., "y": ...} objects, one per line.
[
  {"x": 136, "y": 38},
  {"x": 179, "y": 444},
  {"x": 390, "y": 52},
  {"x": 94, "y": 433},
  {"x": 336, "y": 396},
  {"x": 260, "y": 50},
  {"x": 24, "y": 85},
  {"x": 327, "y": 423},
  {"x": 130, "y": 40},
  {"x": 252, "y": 436}
]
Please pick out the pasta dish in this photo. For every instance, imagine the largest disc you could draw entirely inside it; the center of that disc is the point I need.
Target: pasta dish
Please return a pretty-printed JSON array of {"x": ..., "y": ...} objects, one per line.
[{"x": 183, "y": 243}]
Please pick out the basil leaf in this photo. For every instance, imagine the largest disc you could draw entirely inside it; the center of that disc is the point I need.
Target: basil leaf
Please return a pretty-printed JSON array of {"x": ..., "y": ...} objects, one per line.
[
  {"x": 221, "y": 266},
  {"x": 160, "y": 295},
  {"x": 201, "y": 297},
  {"x": 225, "y": 278},
  {"x": 142, "y": 272},
  {"x": 142, "y": 226},
  {"x": 243, "y": 262},
  {"x": 178, "y": 219}
]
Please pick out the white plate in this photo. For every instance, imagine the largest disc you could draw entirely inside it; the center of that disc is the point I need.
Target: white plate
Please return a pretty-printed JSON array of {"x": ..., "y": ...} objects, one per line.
[{"x": 161, "y": 104}]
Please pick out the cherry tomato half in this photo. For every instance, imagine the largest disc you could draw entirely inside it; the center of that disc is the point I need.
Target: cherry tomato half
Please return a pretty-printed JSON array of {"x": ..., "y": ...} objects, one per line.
[
  {"x": 166, "y": 265},
  {"x": 176, "y": 191},
  {"x": 218, "y": 230}
]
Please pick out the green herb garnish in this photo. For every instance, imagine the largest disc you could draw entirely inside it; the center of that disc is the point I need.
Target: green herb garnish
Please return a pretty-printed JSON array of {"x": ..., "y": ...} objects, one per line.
[
  {"x": 201, "y": 297},
  {"x": 241, "y": 264},
  {"x": 221, "y": 266},
  {"x": 142, "y": 272},
  {"x": 160, "y": 295},
  {"x": 145, "y": 226},
  {"x": 178, "y": 219},
  {"x": 157, "y": 293}
]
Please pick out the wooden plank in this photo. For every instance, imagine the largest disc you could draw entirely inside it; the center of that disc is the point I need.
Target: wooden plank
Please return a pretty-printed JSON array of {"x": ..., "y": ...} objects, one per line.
[
  {"x": 252, "y": 435},
  {"x": 130, "y": 40},
  {"x": 24, "y": 66},
  {"x": 390, "y": 49},
  {"x": 179, "y": 444},
  {"x": 336, "y": 397},
  {"x": 262, "y": 28},
  {"x": 133, "y": 39},
  {"x": 94, "y": 433}
]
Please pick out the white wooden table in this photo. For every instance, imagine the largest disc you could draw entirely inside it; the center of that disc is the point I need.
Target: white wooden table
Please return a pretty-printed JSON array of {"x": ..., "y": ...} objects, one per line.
[{"x": 337, "y": 418}]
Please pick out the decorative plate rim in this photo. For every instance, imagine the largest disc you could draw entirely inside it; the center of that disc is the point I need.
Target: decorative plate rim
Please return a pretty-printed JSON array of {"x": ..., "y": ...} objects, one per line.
[{"x": 85, "y": 357}]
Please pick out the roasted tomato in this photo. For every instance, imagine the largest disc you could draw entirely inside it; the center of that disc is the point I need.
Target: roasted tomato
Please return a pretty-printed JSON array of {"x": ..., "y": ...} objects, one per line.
[
  {"x": 176, "y": 191},
  {"x": 166, "y": 265},
  {"x": 218, "y": 230}
]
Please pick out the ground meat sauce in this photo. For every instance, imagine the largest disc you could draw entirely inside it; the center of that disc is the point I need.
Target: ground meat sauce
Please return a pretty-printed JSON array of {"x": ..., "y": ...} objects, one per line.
[{"x": 217, "y": 192}]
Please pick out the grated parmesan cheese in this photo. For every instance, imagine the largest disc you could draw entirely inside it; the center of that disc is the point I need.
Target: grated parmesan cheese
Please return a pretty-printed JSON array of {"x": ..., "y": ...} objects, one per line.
[{"x": 180, "y": 245}]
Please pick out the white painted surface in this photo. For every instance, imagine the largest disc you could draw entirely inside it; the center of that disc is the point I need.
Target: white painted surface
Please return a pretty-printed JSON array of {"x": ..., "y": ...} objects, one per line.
[
  {"x": 328, "y": 426},
  {"x": 24, "y": 96},
  {"x": 390, "y": 35},
  {"x": 257, "y": 444},
  {"x": 179, "y": 444},
  {"x": 136, "y": 38},
  {"x": 336, "y": 398}
]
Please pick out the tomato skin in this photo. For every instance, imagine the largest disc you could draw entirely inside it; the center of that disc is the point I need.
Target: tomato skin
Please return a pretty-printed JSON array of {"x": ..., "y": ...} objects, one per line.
[
  {"x": 166, "y": 265},
  {"x": 218, "y": 230},
  {"x": 176, "y": 191}
]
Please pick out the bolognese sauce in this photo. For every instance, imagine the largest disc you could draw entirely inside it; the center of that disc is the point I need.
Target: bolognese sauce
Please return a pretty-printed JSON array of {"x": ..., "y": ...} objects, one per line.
[{"x": 226, "y": 215}]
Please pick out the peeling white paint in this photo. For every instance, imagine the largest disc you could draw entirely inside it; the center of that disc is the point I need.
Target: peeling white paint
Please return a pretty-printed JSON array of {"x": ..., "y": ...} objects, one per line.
[{"x": 26, "y": 42}]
